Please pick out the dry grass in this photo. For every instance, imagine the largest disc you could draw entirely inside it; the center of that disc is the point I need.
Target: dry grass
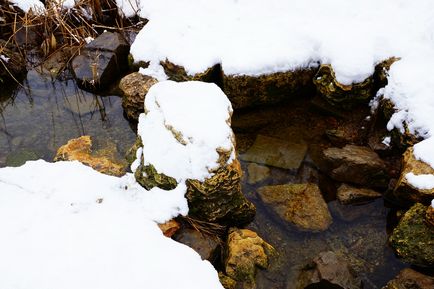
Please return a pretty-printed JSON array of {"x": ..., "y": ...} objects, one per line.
[{"x": 207, "y": 228}]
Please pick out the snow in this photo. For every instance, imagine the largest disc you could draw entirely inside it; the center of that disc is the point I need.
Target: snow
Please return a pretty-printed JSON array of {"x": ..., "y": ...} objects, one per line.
[
  {"x": 25, "y": 5},
  {"x": 432, "y": 203},
  {"x": 386, "y": 141},
  {"x": 154, "y": 70},
  {"x": 4, "y": 58},
  {"x": 200, "y": 114},
  {"x": 422, "y": 182},
  {"x": 64, "y": 225}
]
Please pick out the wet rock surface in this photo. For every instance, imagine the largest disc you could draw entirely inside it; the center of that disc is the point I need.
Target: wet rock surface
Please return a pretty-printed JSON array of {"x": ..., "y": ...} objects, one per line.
[
  {"x": 80, "y": 149},
  {"x": 328, "y": 270},
  {"x": 354, "y": 164},
  {"x": 12, "y": 64},
  {"x": 134, "y": 87},
  {"x": 245, "y": 252},
  {"x": 404, "y": 191},
  {"x": 347, "y": 194},
  {"x": 257, "y": 173},
  {"x": 301, "y": 205},
  {"x": 410, "y": 279},
  {"x": 207, "y": 246},
  {"x": 275, "y": 152},
  {"x": 413, "y": 238},
  {"x": 101, "y": 61}
]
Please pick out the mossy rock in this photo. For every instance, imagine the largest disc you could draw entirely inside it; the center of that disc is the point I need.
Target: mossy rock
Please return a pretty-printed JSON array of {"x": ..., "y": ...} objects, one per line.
[{"x": 413, "y": 238}]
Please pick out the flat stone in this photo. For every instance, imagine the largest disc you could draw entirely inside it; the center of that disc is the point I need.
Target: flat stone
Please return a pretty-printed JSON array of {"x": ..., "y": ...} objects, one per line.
[
  {"x": 203, "y": 244},
  {"x": 410, "y": 279},
  {"x": 347, "y": 194},
  {"x": 275, "y": 152},
  {"x": 301, "y": 205},
  {"x": 257, "y": 173}
]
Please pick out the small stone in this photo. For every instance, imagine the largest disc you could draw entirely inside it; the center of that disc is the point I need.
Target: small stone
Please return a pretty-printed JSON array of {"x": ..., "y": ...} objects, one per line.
[
  {"x": 244, "y": 253},
  {"x": 79, "y": 149},
  {"x": 413, "y": 238},
  {"x": 276, "y": 152},
  {"x": 410, "y": 279},
  {"x": 328, "y": 270},
  {"x": 206, "y": 246},
  {"x": 301, "y": 205},
  {"x": 350, "y": 195},
  {"x": 169, "y": 228},
  {"x": 134, "y": 87},
  {"x": 257, "y": 173}
]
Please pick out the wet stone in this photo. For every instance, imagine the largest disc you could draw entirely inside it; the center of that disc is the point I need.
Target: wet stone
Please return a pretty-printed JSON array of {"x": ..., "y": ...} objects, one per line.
[
  {"x": 347, "y": 194},
  {"x": 301, "y": 205},
  {"x": 410, "y": 279},
  {"x": 207, "y": 246},
  {"x": 275, "y": 152},
  {"x": 257, "y": 173},
  {"x": 328, "y": 270},
  {"x": 81, "y": 104}
]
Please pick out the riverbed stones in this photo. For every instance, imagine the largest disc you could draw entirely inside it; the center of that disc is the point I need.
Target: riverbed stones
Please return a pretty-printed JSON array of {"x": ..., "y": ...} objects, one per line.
[
  {"x": 134, "y": 87},
  {"x": 410, "y": 279},
  {"x": 101, "y": 61},
  {"x": 354, "y": 164},
  {"x": 207, "y": 246},
  {"x": 245, "y": 252},
  {"x": 328, "y": 270},
  {"x": 404, "y": 191},
  {"x": 301, "y": 205},
  {"x": 275, "y": 152},
  {"x": 80, "y": 149},
  {"x": 347, "y": 194},
  {"x": 413, "y": 239},
  {"x": 257, "y": 173}
]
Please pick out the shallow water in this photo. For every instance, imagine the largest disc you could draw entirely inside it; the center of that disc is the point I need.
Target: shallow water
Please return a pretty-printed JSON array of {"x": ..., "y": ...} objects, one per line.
[{"x": 41, "y": 115}]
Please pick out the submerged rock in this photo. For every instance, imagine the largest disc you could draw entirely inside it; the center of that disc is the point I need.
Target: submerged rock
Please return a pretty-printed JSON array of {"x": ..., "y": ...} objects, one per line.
[
  {"x": 134, "y": 87},
  {"x": 301, "y": 205},
  {"x": 12, "y": 64},
  {"x": 257, "y": 173},
  {"x": 406, "y": 192},
  {"x": 208, "y": 247},
  {"x": 410, "y": 279},
  {"x": 413, "y": 238},
  {"x": 429, "y": 216},
  {"x": 276, "y": 152},
  {"x": 354, "y": 164},
  {"x": 347, "y": 194},
  {"x": 20, "y": 157},
  {"x": 80, "y": 149},
  {"x": 245, "y": 251},
  {"x": 328, "y": 270},
  {"x": 102, "y": 61}
]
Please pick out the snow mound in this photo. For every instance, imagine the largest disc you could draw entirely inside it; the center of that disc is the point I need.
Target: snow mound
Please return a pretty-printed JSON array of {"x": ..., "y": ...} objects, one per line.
[
  {"x": 67, "y": 226},
  {"x": 35, "y": 5},
  {"x": 183, "y": 127},
  {"x": 423, "y": 181}
]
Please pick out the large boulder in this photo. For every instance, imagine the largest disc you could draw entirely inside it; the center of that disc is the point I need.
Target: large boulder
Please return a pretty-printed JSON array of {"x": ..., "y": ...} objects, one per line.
[
  {"x": 410, "y": 279},
  {"x": 301, "y": 205},
  {"x": 184, "y": 136},
  {"x": 328, "y": 270},
  {"x": 407, "y": 192},
  {"x": 101, "y": 61},
  {"x": 354, "y": 164},
  {"x": 413, "y": 238},
  {"x": 245, "y": 252},
  {"x": 134, "y": 87},
  {"x": 80, "y": 149}
]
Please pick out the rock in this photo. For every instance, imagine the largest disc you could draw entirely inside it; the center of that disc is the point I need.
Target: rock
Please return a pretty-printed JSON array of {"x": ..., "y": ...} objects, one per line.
[
  {"x": 245, "y": 251},
  {"x": 350, "y": 213},
  {"x": 301, "y": 205},
  {"x": 413, "y": 239},
  {"x": 227, "y": 282},
  {"x": 275, "y": 152},
  {"x": 328, "y": 270},
  {"x": 169, "y": 228},
  {"x": 208, "y": 247},
  {"x": 79, "y": 149},
  {"x": 410, "y": 279},
  {"x": 404, "y": 191},
  {"x": 354, "y": 164},
  {"x": 257, "y": 173},
  {"x": 58, "y": 61},
  {"x": 347, "y": 194},
  {"x": 81, "y": 104},
  {"x": 429, "y": 216},
  {"x": 12, "y": 64},
  {"x": 102, "y": 61},
  {"x": 20, "y": 157},
  {"x": 134, "y": 87}
]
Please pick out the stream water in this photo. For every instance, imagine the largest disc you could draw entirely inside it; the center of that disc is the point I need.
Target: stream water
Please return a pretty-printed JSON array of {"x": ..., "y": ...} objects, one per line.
[{"x": 42, "y": 114}]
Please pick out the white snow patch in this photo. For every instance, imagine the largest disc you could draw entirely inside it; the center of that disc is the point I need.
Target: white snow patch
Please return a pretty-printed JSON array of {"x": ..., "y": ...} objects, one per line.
[
  {"x": 432, "y": 203},
  {"x": 89, "y": 39},
  {"x": 154, "y": 70},
  {"x": 129, "y": 8},
  {"x": 386, "y": 141},
  {"x": 200, "y": 112},
  {"x": 4, "y": 58},
  {"x": 35, "y": 5},
  {"x": 422, "y": 182},
  {"x": 67, "y": 226}
]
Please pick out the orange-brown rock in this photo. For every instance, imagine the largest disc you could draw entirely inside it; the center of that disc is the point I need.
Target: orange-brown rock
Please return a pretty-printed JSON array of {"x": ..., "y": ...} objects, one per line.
[
  {"x": 410, "y": 279},
  {"x": 169, "y": 228},
  {"x": 80, "y": 149}
]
